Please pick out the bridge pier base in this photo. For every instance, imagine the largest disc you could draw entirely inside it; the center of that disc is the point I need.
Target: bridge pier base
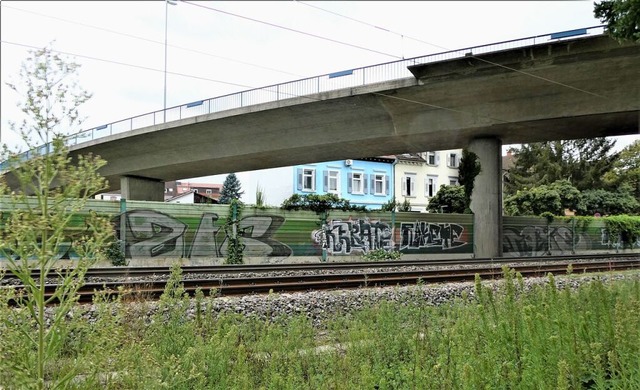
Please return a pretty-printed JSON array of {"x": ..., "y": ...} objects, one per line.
[
  {"x": 486, "y": 198},
  {"x": 141, "y": 188}
]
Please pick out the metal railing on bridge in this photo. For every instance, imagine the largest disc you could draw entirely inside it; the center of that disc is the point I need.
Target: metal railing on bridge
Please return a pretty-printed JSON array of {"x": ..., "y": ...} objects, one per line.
[{"x": 388, "y": 71}]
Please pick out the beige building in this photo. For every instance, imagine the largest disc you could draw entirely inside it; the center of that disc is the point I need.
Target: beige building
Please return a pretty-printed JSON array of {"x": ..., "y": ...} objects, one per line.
[{"x": 418, "y": 176}]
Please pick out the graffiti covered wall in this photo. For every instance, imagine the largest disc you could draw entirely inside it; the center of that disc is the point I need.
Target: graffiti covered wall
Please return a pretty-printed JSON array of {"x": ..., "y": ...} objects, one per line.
[{"x": 155, "y": 231}]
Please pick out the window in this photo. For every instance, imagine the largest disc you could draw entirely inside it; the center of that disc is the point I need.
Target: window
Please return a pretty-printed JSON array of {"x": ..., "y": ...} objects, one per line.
[
  {"x": 432, "y": 158},
  {"x": 309, "y": 180},
  {"x": 357, "y": 183},
  {"x": 409, "y": 184},
  {"x": 453, "y": 181},
  {"x": 332, "y": 181},
  {"x": 306, "y": 179},
  {"x": 170, "y": 189},
  {"x": 431, "y": 186},
  {"x": 380, "y": 184},
  {"x": 195, "y": 190},
  {"x": 453, "y": 160},
  {"x": 208, "y": 191}
]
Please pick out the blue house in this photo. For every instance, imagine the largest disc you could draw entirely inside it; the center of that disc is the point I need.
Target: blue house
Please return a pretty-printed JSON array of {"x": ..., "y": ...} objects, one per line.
[{"x": 363, "y": 182}]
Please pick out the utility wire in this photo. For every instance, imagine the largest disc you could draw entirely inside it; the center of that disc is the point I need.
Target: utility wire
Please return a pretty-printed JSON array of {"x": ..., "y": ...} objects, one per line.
[
  {"x": 150, "y": 40},
  {"x": 130, "y": 65},
  {"x": 445, "y": 48},
  {"x": 291, "y": 29},
  {"x": 371, "y": 25}
]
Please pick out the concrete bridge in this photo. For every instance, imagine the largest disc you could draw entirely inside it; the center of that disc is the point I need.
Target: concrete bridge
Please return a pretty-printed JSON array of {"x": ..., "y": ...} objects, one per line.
[{"x": 560, "y": 89}]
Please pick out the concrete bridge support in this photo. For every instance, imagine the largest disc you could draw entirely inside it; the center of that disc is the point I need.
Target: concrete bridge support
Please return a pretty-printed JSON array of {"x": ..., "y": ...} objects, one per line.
[
  {"x": 486, "y": 199},
  {"x": 141, "y": 188}
]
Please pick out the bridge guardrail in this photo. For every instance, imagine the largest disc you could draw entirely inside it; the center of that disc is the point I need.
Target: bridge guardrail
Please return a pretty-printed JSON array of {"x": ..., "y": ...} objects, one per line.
[{"x": 388, "y": 71}]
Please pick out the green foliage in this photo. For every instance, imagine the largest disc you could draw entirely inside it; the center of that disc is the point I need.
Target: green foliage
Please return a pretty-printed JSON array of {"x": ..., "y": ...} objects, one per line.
[
  {"x": 499, "y": 336},
  {"x": 622, "y": 18},
  {"x": 391, "y": 205},
  {"x": 234, "y": 242},
  {"x": 626, "y": 170},
  {"x": 584, "y": 162},
  {"x": 319, "y": 203},
  {"x": 608, "y": 203},
  {"x": 625, "y": 227},
  {"x": 381, "y": 255},
  {"x": 48, "y": 192},
  {"x": 115, "y": 254},
  {"x": 468, "y": 170},
  {"x": 260, "y": 198},
  {"x": 405, "y": 206},
  {"x": 448, "y": 199},
  {"x": 548, "y": 216},
  {"x": 544, "y": 199},
  {"x": 231, "y": 189}
]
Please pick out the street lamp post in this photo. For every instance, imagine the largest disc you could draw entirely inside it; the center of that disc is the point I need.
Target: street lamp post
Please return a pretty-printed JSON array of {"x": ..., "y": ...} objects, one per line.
[{"x": 166, "y": 20}]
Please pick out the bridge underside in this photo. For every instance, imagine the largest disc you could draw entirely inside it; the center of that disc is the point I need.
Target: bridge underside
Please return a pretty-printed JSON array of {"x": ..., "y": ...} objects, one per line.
[{"x": 563, "y": 90}]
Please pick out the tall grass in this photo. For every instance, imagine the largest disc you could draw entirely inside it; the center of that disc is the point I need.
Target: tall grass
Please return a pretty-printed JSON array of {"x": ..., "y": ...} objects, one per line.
[{"x": 543, "y": 337}]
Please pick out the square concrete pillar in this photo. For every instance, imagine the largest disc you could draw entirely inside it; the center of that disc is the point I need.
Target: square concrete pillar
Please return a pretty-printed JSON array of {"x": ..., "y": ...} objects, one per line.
[
  {"x": 486, "y": 198},
  {"x": 141, "y": 188}
]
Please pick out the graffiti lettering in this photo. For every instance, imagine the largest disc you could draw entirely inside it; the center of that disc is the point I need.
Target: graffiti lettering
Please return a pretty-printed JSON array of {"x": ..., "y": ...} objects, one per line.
[
  {"x": 539, "y": 240},
  {"x": 362, "y": 235},
  {"x": 150, "y": 234},
  {"x": 428, "y": 235}
]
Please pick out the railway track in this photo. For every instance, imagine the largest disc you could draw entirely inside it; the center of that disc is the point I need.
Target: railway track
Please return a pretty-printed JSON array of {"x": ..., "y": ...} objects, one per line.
[
  {"x": 220, "y": 279},
  {"x": 132, "y": 272}
]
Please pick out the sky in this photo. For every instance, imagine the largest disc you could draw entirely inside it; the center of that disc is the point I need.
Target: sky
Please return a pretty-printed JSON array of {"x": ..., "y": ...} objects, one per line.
[{"x": 215, "y": 48}]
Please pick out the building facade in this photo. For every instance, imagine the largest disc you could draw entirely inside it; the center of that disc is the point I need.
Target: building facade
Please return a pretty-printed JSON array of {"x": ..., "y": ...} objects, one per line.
[
  {"x": 419, "y": 176},
  {"x": 363, "y": 182}
]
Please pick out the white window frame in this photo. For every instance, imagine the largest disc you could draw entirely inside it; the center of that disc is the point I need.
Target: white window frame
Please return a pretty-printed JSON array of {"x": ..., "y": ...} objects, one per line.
[
  {"x": 453, "y": 181},
  {"x": 434, "y": 156},
  {"x": 308, "y": 174},
  {"x": 409, "y": 185},
  {"x": 334, "y": 176},
  {"x": 379, "y": 178},
  {"x": 431, "y": 187},
  {"x": 453, "y": 161},
  {"x": 357, "y": 177},
  {"x": 208, "y": 191}
]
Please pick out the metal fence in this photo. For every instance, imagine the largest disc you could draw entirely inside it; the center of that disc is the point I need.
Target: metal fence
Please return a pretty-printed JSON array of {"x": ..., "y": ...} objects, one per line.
[{"x": 388, "y": 71}]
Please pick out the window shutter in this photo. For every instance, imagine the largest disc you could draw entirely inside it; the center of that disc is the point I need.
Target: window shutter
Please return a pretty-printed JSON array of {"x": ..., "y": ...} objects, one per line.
[
  {"x": 386, "y": 184},
  {"x": 299, "y": 179},
  {"x": 437, "y": 159},
  {"x": 365, "y": 186},
  {"x": 413, "y": 187},
  {"x": 349, "y": 182},
  {"x": 404, "y": 186},
  {"x": 326, "y": 180},
  {"x": 313, "y": 180}
]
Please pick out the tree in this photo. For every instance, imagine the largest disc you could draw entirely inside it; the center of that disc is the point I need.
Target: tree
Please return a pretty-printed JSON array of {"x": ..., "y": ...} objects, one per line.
[
  {"x": 583, "y": 162},
  {"x": 626, "y": 170},
  {"x": 36, "y": 216},
  {"x": 622, "y": 18},
  {"x": 468, "y": 169},
  {"x": 448, "y": 199},
  {"x": 608, "y": 203},
  {"x": 554, "y": 198},
  {"x": 231, "y": 189}
]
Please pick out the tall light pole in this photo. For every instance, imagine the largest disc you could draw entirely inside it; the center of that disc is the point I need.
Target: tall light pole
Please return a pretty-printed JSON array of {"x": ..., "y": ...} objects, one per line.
[{"x": 166, "y": 20}]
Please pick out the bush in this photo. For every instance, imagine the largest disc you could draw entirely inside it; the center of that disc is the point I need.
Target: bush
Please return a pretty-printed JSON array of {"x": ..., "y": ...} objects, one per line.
[
  {"x": 115, "y": 254},
  {"x": 381, "y": 255}
]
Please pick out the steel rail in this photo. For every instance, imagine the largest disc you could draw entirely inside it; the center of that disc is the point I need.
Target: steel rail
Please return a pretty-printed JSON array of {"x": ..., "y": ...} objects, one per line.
[
  {"x": 266, "y": 284},
  {"x": 264, "y": 268}
]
